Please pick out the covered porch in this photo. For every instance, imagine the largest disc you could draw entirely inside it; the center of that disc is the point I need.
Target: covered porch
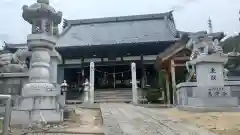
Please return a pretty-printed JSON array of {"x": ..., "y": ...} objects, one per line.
[{"x": 112, "y": 62}]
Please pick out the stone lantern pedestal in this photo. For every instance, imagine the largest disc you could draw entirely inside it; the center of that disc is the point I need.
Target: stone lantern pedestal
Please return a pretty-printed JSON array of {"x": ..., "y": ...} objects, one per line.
[{"x": 40, "y": 96}]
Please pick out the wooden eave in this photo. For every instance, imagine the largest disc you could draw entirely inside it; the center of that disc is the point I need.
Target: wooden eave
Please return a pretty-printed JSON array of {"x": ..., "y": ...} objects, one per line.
[{"x": 173, "y": 51}]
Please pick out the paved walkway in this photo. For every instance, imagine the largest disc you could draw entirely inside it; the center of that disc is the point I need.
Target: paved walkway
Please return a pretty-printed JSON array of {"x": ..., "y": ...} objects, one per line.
[{"x": 126, "y": 119}]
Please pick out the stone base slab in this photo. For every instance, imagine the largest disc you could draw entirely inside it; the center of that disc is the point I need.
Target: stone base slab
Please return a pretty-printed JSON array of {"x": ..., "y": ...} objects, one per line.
[
  {"x": 189, "y": 97},
  {"x": 208, "y": 109},
  {"x": 23, "y": 117},
  {"x": 213, "y": 102}
]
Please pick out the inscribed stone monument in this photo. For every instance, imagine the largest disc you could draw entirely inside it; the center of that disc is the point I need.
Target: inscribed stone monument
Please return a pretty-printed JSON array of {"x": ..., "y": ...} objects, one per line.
[{"x": 211, "y": 91}]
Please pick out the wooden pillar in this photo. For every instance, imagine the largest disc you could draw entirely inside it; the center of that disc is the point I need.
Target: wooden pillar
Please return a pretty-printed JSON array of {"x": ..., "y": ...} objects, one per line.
[
  {"x": 82, "y": 71},
  {"x": 114, "y": 77},
  {"x": 63, "y": 60},
  {"x": 173, "y": 80},
  {"x": 143, "y": 72},
  {"x": 60, "y": 77},
  {"x": 167, "y": 86}
]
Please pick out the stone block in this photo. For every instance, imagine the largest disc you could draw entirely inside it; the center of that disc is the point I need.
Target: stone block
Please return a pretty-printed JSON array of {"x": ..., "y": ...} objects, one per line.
[
  {"x": 213, "y": 102},
  {"x": 26, "y": 104},
  {"x": 39, "y": 89},
  {"x": 25, "y": 117},
  {"x": 20, "y": 117},
  {"x": 46, "y": 103},
  {"x": 52, "y": 116},
  {"x": 32, "y": 103},
  {"x": 209, "y": 74}
]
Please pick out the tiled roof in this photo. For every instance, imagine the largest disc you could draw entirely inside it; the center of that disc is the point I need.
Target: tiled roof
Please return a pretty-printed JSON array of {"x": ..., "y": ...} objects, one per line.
[
  {"x": 15, "y": 46},
  {"x": 183, "y": 41},
  {"x": 119, "y": 30}
]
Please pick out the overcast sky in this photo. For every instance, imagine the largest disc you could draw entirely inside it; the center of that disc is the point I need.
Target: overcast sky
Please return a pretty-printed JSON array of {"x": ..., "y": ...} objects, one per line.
[{"x": 190, "y": 15}]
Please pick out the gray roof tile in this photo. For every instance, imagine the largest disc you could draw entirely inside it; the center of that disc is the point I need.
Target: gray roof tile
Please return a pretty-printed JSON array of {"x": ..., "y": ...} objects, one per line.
[
  {"x": 15, "y": 46},
  {"x": 119, "y": 30}
]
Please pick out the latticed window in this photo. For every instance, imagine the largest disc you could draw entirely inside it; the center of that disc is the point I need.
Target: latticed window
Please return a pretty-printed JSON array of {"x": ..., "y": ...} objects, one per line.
[
  {"x": 55, "y": 30},
  {"x": 47, "y": 27},
  {"x": 37, "y": 27}
]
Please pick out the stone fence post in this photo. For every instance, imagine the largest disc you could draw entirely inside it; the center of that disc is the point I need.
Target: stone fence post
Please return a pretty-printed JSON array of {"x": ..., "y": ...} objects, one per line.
[
  {"x": 134, "y": 84},
  {"x": 92, "y": 79}
]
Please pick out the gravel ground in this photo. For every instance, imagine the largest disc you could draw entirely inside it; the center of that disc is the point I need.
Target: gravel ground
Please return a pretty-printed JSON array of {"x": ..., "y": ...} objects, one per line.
[
  {"x": 82, "y": 121},
  {"x": 221, "y": 123}
]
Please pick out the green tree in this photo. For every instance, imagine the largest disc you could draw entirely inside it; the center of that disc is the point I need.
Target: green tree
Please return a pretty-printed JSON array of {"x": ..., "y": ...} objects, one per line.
[{"x": 231, "y": 43}]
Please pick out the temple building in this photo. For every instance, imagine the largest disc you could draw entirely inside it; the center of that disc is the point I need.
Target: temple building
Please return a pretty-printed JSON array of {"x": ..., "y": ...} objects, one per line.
[{"x": 113, "y": 43}]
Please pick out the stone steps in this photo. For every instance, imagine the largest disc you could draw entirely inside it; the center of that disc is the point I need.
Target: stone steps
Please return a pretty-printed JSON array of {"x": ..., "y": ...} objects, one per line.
[
  {"x": 113, "y": 101},
  {"x": 113, "y": 95}
]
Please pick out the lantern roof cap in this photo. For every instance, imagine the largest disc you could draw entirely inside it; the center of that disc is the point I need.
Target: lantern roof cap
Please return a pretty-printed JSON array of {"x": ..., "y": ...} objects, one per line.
[
  {"x": 43, "y": 1},
  {"x": 41, "y": 9}
]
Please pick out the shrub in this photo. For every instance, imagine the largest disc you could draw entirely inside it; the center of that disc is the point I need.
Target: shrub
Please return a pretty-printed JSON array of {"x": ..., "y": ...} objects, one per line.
[{"x": 152, "y": 95}]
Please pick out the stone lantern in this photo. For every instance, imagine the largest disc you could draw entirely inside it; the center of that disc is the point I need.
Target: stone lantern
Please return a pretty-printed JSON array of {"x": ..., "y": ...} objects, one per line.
[{"x": 40, "y": 95}]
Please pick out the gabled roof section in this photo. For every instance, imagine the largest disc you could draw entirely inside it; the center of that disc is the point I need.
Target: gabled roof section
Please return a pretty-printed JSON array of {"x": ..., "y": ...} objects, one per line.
[
  {"x": 181, "y": 44},
  {"x": 119, "y": 30},
  {"x": 15, "y": 46}
]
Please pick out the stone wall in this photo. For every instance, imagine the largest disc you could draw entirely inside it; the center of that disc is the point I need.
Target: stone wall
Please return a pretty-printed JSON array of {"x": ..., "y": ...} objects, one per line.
[{"x": 11, "y": 84}]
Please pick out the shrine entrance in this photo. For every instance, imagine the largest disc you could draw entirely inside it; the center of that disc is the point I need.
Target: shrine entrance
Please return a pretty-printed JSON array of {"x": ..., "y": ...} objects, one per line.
[
  {"x": 113, "y": 77},
  {"x": 106, "y": 77}
]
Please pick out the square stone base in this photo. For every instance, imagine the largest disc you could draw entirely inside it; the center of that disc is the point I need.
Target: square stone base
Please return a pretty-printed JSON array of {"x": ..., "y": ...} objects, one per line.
[
  {"x": 191, "y": 97},
  {"x": 24, "y": 117}
]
